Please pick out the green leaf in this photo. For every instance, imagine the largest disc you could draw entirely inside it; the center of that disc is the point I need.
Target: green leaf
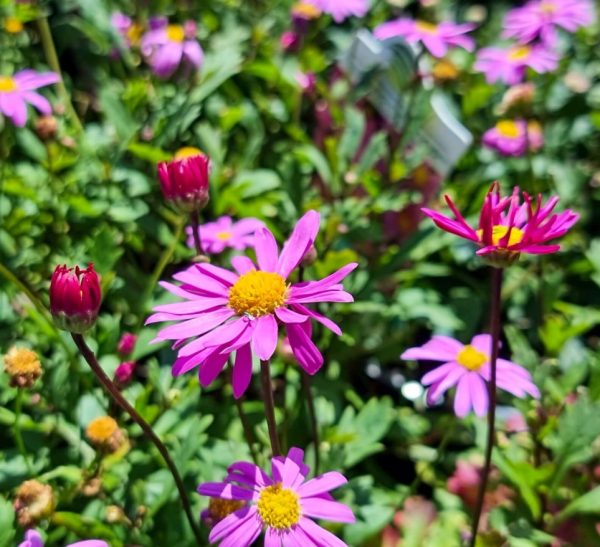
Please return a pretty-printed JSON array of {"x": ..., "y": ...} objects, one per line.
[{"x": 587, "y": 503}]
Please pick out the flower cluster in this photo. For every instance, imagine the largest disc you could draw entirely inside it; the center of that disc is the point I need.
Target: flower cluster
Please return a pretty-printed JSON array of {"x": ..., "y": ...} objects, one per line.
[
  {"x": 468, "y": 368},
  {"x": 241, "y": 311},
  {"x": 18, "y": 90},
  {"x": 508, "y": 227},
  {"x": 224, "y": 233},
  {"x": 437, "y": 38},
  {"x": 514, "y": 137},
  {"x": 282, "y": 504}
]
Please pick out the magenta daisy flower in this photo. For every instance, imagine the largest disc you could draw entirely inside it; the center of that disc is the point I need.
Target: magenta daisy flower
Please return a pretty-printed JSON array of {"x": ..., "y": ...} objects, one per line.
[
  {"x": 167, "y": 47},
  {"x": 283, "y": 504},
  {"x": 342, "y": 9},
  {"x": 514, "y": 137},
  {"x": 468, "y": 368},
  {"x": 18, "y": 90},
  {"x": 224, "y": 233},
  {"x": 242, "y": 311},
  {"x": 509, "y": 65},
  {"x": 508, "y": 227},
  {"x": 436, "y": 38},
  {"x": 539, "y": 19}
]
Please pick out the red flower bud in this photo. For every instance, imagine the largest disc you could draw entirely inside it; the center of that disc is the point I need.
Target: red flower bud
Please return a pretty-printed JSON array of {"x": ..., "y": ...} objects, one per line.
[
  {"x": 126, "y": 344},
  {"x": 185, "y": 181},
  {"x": 75, "y": 297},
  {"x": 124, "y": 373}
]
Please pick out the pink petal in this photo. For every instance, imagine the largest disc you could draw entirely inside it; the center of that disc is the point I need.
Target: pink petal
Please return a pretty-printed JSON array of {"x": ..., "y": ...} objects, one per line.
[
  {"x": 437, "y": 389},
  {"x": 266, "y": 250},
  {"x": 272, "y": 538},
  {"x": 320, "y": 536},
  {"x": 323, "y": 483},
  {"x": 223, "y": 334},
  {"x": 303, "y": 236},
  {"x": 328, "y": 510},
  {"x": 438, "y": 374},
  {"x": 479, "y": 393},
  {"x": 39, "y": 102},
  {"x": 483, "y": 343},
  {"x": 242, "y": 264},
  {"x": 248, "y": 473},
  {"x": 325, "y": 321},
  {"x": 462, "y": 398},
  {"x": 211, "y": 368},
  {"x": 312, "y": 287},
  {"x": 225, "y": 491},
  {"x": 305, "y": 351},
  {"x": 286, "y": 315},
  {"x": 220, "y": 274},
  {"x": 245, "y": 517},
  {"x": 196, "y": 327},
  {"x": 264, "y": 337},
  {"x": 242, "y": 371},
  {"x": 439, "y": 348},
  {"x": 185, "y": 364}
]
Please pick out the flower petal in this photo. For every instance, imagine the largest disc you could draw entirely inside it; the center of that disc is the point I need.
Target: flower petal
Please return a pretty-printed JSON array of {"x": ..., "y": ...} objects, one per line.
[
  {"x": 329, "y": 510},
  {"x": 462, "y": 399},
  {"x": 303, "y": 236},
  {"x": 323, "y": 483},
  {"x": 264, "y": 337},
  {"x": 242, "y": 371},
  {"x": 266, "y": 250}
]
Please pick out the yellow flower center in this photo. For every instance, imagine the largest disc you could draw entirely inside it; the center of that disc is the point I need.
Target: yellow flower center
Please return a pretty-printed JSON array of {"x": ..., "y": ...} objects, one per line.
[
  {"x": 224, "y": 236},
  {"x": 508, "y": 128},
  {"x": 175, "y": 33},
  {"x": 424, "y": 26},
  {"x": 279, "y": 507},
  {"x": 548, "y": 7},
  {"x": 187, "y": 152},
  {"x": 12, "y": 25},
  {"x": 257, "y": 293},
  {"x": 7, "y": 84},
  {"x": 134, "y": 33},
  {"x": 470, "y": 358},
  {"x": 499, "y": 231},
  {"x": 220, "y": 508},
  {"x": 21, "y": 361},
  {"x": 306, "y": 10},
  {"x": 519, "y": 53},
  {"x": 101, "y": 429}
]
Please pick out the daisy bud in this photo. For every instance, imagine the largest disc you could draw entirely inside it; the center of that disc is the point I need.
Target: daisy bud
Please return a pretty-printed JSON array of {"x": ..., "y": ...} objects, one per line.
[
  {"x": 124, "y": 373},
  {"x": 23, "y": 367},
  {"x": 104, "y": 433},
  {"x": 34, "y": 502},
  {"x": 185, "y": 183},
  {"x": 75, "y": 297},
  {"x": 126, "y": 344},
  {"x": 46, "y": 127}
]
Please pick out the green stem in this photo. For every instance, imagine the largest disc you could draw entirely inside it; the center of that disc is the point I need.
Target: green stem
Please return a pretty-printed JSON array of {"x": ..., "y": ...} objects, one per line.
[
  {"x": 495, "y": 311},
  {"x": 114, "y": 393},
  {"x": 17, "y": 430},
  {"x": 267, "y": 394},
  {"x": 314, "y": 425},
  {"x": 247, "y": 429},
  {"x": 53, "y": 62},
  {"x": 195, "y": 222}
]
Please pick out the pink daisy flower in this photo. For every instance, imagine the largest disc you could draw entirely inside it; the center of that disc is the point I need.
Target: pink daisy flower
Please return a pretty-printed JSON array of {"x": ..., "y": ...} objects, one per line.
[
  {"x": 242, "y": 311},
  {"x": 283, "y": 504},
  {"x": 508, "y": 65},
  {"x": 436, "y": 38},
  {"x": 539, "y": 19},
  {"x": 18, "y": 90},
  {"x": 514, "y": 137},
  {"x": 224, "y": 233},
  {"x": 342, "y": 9},
  {"x": 507, "y": 227},
  {"x": 167, "y": 47},
  {"x": 468, "y": 368}
]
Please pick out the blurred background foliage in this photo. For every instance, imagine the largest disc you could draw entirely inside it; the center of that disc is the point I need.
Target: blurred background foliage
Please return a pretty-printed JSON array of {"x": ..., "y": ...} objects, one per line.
[{"x": 88, "y": 193}]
